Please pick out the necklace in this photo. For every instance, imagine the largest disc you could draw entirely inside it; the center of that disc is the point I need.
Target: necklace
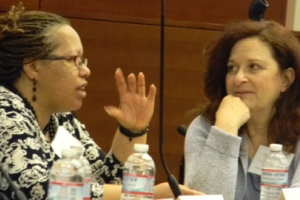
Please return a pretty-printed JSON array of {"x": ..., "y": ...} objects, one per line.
[
  {"x": 51, "y": 125},
  {"x": 51, "y": 128}
]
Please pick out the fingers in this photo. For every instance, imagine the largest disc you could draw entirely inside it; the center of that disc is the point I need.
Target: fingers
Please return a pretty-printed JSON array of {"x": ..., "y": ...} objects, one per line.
[
  {"x": 113, "y": 111},
  {"x": 133, "y": 84},
  {"x": 152, "y": 93},
  {"x": 141, "y": 84},
  {"x": 120, "y": 82},
  {"x": 188, "y": 191},
  {"x": 198, "y": 193}
]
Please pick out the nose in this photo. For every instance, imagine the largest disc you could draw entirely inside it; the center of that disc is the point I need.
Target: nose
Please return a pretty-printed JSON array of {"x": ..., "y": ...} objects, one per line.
[
  {"x": 84, "y": 71},
  {"x": 240, "y": 77}
]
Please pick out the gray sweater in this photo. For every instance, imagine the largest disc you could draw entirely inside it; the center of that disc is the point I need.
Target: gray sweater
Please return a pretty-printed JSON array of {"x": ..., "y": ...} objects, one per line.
[{"x": 217, "y": 162}]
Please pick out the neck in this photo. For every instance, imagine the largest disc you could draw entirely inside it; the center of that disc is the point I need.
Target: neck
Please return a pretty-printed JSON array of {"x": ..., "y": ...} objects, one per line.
[
  {"x": 259, "y": 122},
  {"x": 24, "y": 88},
  {"x": 257, "y": 129}
]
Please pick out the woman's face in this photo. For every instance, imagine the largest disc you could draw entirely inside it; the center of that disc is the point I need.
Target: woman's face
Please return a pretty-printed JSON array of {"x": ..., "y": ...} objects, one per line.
[
  {"x": 254, "y": 75},
  {"x": 60, "y": 83}
]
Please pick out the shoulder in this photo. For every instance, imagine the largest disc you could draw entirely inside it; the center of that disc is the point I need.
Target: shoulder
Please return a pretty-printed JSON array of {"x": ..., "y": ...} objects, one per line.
[
  {"x": 199, "y": 124},
  {"x": 197, "y": 131},
  {"x": 200, "y": 120},
  {"x": 10, "y": 101},
  {"x": 15, "y": 116}
]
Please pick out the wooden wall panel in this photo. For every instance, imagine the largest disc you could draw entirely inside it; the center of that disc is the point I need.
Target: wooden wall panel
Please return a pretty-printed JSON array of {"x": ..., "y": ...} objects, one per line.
[
  {"x": 30, "y": 4},
  {"x": 135, "y": 48},
  {"x": 178, "y": 12}
]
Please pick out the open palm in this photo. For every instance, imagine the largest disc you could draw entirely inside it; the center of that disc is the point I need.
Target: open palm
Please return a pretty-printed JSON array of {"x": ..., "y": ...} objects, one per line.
[{"x": 136, "y": 109}]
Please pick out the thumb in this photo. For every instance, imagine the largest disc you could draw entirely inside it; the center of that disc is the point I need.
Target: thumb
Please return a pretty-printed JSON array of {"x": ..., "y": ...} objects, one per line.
[{"x": 112, "y": 111}]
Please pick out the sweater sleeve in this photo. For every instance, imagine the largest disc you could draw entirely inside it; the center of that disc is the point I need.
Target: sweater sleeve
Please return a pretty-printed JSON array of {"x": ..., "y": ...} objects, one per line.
[{"x": 211, "y": 159}]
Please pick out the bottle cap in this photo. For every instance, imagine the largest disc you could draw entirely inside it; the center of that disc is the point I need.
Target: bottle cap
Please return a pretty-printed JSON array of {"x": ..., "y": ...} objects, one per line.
[
  {"x": 276, "y": 147},
  {"x": 141, "y": 147},
  {"x": 68, "y": 153}
]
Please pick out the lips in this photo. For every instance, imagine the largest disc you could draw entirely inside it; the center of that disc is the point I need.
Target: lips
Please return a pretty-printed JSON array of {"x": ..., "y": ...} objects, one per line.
[
  {"x": 83, "y": 86},
  {"x": 81, "y": 90},
  {"x": 242, "y": 93}
]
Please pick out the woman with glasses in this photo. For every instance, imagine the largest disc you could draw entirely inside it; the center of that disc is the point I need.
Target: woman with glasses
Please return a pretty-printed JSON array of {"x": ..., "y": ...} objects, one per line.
[{"x": 43, "y": 77}]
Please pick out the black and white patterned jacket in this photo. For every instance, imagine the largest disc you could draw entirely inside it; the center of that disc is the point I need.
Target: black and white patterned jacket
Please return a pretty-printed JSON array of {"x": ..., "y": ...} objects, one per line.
[{"x": 27, "y": 156}]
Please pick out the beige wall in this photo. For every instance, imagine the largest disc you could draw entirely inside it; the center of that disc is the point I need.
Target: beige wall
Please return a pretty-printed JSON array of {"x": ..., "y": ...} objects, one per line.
[{"x": 293, "y": 15}]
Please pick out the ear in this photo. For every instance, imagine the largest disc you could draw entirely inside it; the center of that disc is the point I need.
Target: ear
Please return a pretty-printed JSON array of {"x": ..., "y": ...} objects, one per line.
[
  {"x": 30, "y": 70},
  {"x": 288, "y": 79}
]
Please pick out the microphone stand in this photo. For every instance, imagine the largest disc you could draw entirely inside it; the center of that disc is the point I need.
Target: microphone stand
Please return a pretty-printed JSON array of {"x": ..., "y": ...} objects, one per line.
[{"x": 171, "y": 178}]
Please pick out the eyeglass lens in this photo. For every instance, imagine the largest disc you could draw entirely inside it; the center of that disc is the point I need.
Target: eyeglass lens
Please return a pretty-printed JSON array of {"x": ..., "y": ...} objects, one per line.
[{"x": 80, "y": 61}]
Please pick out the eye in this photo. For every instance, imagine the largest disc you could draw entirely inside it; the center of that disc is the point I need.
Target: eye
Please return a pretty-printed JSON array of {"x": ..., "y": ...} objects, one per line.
[
  {"x": 254, "y": 66},
  {"x": 231, "y": 68}
]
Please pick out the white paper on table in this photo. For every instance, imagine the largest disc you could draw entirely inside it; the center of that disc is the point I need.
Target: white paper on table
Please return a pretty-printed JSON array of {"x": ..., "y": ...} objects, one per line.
[
  {"x": 289, "y": 194},
  {"x": 201, "y": 197},
  {"x": 260, "y": 155},
  {"x": 63, "y": 139}
]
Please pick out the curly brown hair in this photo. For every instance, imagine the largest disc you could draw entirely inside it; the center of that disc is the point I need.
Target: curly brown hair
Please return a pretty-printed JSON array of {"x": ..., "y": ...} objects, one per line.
[
  {"x": 25, "y": 36},
  {"x": 284, "y": 127}
]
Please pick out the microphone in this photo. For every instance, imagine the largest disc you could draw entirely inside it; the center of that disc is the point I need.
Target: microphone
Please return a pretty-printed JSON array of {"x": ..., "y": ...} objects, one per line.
[
  {"x": 19, "y": 195},
  {"x": 182, "y": 129},
  {"x": 257, "y": 10},
  {"x": 171, "y": 178}
]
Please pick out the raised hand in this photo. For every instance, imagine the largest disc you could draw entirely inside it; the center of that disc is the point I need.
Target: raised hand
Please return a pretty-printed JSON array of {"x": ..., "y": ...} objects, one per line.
[{"x": 135, "y": 109}]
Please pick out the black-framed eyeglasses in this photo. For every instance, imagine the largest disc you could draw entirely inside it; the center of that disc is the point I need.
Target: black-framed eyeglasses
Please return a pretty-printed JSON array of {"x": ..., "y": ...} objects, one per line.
[{"x": 78, "y": 60}]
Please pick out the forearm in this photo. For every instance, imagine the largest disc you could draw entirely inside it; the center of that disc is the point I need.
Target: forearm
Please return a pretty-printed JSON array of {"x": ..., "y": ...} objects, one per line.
[
  {"x": 112, "y": 192},
  {"x": 122, "y": 147}
]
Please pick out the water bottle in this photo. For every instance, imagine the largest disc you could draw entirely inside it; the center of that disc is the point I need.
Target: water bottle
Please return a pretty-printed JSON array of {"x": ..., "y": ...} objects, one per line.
[
  {"x": 138, "y": 175},
  {"x": 66, "y": 182},
  {"x": 274, "y": 174},
  {"x": 86, "y": 171}
]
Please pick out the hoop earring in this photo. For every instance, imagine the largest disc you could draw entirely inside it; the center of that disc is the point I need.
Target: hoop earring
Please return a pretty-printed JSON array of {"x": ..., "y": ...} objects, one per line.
[{"x": 34, "y": 90}]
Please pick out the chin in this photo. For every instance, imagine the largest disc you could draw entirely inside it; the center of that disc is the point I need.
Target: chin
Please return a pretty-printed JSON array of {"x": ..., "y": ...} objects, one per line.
[
  {"x": 74, "y": 107},
  {"x": 77, "y": 107}
]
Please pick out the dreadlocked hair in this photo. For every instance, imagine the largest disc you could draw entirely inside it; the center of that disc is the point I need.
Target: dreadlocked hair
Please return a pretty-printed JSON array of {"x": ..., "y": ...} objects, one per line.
[{"x": 25, "y": 36}]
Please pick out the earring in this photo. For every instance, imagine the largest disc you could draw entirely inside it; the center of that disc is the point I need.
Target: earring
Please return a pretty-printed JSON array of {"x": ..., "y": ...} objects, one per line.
[{"x": 34, "y": 90}]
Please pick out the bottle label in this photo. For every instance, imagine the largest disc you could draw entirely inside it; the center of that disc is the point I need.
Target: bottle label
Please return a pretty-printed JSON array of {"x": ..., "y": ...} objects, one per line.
[
  {"x": 276, "y": 178},
  {"x": 65, "y": 190},
  {"x": 138, "y": 184},
  {"x": 87, "y": 189},
  {"x": 272, "y": 181}
]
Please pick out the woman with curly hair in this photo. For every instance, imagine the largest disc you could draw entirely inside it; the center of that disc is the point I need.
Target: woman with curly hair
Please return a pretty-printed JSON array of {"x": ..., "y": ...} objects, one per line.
[{"x": 252, "y": 83}]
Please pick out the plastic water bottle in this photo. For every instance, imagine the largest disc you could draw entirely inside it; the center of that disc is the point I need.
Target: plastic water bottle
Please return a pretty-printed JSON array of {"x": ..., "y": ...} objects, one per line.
[
  {"x": 66, "y": 182},
  {"x": 274, "y": 174},
  {"x": 138, "y": 175},
  {"x": 86, "y": 171}
]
